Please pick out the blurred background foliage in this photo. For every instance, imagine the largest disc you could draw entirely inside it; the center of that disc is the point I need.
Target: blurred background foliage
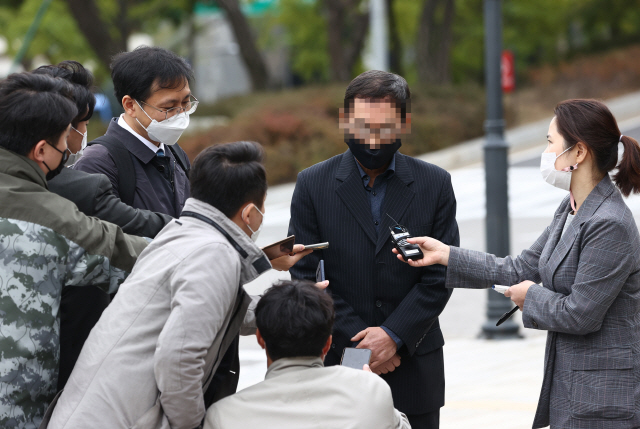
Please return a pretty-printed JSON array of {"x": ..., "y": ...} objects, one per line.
[
  {"x": 538, "y": 32},
  {"x": 562, "y": 49}
]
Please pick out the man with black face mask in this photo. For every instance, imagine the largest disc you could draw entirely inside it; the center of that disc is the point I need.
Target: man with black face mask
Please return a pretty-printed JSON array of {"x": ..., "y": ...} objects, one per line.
[
  {"x": 46, "y": 244},
  {"x": 53, "y": 173},
  {"x": 349, "y": 201}
]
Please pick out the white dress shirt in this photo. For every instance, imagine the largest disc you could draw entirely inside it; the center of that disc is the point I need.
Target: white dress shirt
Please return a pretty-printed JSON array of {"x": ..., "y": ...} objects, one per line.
[{"x": 146, "y": 142}]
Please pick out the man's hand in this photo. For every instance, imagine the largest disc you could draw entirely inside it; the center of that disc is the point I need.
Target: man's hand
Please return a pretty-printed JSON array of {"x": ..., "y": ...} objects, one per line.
[
  {"x": 388, "y": 366},
  {"x": 283, "y": 263},
  {"x": 518, "y": 292},
  {"x": 379, "y": 342}
]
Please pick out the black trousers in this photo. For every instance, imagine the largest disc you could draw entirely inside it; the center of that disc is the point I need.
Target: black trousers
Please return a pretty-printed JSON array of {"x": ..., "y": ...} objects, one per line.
[
  {"x": 429, "y": 420},
  {"x": 80, "y": 310}
]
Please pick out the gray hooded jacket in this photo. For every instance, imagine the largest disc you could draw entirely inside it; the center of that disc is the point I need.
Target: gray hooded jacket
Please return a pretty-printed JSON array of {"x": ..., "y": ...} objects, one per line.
[{"x": 155, "y": 348}]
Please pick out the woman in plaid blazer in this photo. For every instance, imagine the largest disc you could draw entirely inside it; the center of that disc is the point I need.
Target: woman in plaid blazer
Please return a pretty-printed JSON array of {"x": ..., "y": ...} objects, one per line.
[{"x": 580, "y": 281}]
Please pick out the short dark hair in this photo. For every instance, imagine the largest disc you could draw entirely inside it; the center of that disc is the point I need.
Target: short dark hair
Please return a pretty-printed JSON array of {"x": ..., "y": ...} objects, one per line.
[
  {"x": 34, "y": 108},
  {"x": 134, "y": 73},
  {"x": 82, "y": 79},
  {"x": 229, "y": 175},
  {"x": 295, "y": 319},
  {"x": 376, "y": 84}
]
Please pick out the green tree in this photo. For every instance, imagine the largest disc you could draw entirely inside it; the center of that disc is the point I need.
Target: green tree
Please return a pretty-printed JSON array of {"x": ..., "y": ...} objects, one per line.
[
  {"x": 58, "y": 37},
  {"x": 306, "y": 36},
  {"x": 601, "y": 24}
]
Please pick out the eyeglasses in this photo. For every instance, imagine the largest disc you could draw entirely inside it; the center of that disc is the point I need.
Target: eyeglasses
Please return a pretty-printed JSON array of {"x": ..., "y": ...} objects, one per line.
[
  {"x": 188, "y": 107},
  {"x": 65, "y": 153}
]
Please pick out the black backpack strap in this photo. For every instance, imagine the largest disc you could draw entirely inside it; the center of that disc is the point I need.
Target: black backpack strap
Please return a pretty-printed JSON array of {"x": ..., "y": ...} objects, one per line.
[
  {"x": 124, "y": 164},
  {"x": 181, "y": 157}
]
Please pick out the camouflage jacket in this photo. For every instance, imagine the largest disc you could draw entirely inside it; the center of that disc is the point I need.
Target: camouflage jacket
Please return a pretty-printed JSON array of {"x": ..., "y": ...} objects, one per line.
[{"x": 45, "y": 245}]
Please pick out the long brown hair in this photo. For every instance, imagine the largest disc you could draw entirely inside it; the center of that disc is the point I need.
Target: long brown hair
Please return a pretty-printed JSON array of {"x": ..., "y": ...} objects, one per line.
[{"x": 592, "y": 123}]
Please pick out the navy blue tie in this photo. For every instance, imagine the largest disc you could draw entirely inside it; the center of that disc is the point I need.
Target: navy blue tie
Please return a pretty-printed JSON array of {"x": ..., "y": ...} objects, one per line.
[{"x": 160, "y": 152}]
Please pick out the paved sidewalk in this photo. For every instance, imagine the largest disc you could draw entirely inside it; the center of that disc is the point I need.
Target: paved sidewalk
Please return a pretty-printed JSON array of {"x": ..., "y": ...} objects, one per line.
[{"x": 492, "y": 384}]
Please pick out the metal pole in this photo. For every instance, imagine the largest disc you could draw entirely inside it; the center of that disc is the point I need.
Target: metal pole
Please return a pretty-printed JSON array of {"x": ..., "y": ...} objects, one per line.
[
  {"x": 378, "y": 35},
  {"x": 28, "y": 38},
  {"x": 496, "y": 168}
]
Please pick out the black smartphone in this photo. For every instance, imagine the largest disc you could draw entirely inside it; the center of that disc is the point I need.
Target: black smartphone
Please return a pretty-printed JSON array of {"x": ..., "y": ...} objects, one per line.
[
  {"x": 355, "y": 358},
  {"x": 279, "y": 248},
  {"x": 320, "y": 272}
]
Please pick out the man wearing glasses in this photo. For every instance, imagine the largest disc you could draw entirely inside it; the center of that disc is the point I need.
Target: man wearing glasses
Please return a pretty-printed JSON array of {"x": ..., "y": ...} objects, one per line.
[{"x": 139, "y": 154}]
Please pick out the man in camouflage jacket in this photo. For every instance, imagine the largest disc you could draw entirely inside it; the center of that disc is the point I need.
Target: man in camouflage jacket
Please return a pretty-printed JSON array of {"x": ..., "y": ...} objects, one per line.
[{"x": 45, "y": 244}]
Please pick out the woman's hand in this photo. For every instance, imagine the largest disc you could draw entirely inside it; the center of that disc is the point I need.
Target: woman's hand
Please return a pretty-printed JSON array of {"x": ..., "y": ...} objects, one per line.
[
  {"x": 435, "y": 252},
  {"x": 518, "y": 292},
  {"x": 283, "y": 263}
]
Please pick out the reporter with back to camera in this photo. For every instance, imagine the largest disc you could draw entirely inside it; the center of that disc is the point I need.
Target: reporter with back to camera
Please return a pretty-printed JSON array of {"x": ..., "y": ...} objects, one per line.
[{"x": 580, "y": 280}]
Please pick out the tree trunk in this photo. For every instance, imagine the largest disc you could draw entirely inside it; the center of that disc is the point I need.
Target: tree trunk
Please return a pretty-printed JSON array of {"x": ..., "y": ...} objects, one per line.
[
  {"x": 335, "y": 22},
  {"x": 395, "y": 46},
  {"x": 96, "y": 30},
  {"x": 353, "y": 50},
  {"x": 248, "y": 49},
  {"x": 434, "y": 41},
  {"x": 346, "y": 30}
]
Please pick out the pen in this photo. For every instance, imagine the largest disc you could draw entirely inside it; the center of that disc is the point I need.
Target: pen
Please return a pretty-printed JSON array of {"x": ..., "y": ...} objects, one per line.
[
  {"x": 507, "y": 315},
  {"x": 500, "y": 289}
]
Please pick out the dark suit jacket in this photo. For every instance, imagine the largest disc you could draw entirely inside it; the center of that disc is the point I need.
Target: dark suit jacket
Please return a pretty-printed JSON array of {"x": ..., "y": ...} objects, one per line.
[
  {"x": 93, "y": 195},
  {"x": 154, "y": 190},
  {"x": 80, "y": 308},
  {"x": 370, "y": 287}
]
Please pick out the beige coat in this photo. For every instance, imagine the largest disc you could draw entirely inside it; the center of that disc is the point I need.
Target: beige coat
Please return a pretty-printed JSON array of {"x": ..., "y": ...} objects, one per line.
[
  {"x": 154, "y": 349},
  {"x": 300, "y": 393}
]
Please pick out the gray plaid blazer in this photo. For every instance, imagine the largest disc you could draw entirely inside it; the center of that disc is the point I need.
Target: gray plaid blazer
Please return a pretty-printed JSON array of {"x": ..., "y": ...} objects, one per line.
[{"x": 588, "y": 301}]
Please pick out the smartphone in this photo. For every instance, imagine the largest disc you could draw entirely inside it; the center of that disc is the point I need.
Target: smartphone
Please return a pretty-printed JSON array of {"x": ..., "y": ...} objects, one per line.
[
  {"x": 355, "y": 358},
  {"x": 280, "y": 248},
  {"x": 320, "y": 272},
  {"x": 317, "y": 246}
]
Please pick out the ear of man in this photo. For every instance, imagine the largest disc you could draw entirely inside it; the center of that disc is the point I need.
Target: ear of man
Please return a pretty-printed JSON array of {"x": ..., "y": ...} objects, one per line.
[
  {"x": 37, "y": 152},
  {"x": 128, "y": 104},
  {"x": 327, "y": 346}
]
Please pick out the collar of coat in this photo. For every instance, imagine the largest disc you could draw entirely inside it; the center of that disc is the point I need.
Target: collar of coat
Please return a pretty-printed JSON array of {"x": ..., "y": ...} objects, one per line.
[
  {"x": 255, "y": 262},
  {"x": 289, "y": 365},
  {"x": 595, "y": 198},
  {"x": 21, "y": 167}
]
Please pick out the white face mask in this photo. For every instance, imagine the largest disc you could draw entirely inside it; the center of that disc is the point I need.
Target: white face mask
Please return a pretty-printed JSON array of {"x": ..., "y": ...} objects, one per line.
[
  {"x": 167, "y": 131},
  {"x": 84, "y": 141},
  {"x": 256, "y": 233},
  {"x": 558, "y": 178}
]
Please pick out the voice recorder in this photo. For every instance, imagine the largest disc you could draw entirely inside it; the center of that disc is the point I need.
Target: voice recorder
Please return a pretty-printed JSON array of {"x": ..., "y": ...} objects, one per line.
[{"x": 399, "y": 235}]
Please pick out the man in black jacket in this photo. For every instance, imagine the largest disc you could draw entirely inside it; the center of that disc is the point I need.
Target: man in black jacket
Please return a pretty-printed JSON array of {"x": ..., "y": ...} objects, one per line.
[
  {"x": 140, "y": 155},
  {"x": 153, "y": 86},
  {"x": 350, "y": 201},
  {"x": 81, "y": 308}
]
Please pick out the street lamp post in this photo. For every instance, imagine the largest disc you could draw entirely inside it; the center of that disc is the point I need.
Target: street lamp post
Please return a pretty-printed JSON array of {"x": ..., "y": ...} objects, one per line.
[
  {"x": 377, "y": 57},
  {"x": 496, "y": 168}
]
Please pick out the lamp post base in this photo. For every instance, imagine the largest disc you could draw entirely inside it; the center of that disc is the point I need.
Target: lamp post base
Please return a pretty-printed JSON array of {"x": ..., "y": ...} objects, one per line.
[{"x": 507, "y": 331}]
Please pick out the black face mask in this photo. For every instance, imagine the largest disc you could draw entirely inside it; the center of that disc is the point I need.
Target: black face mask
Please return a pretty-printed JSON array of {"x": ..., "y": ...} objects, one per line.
[
  {"x": 373, "y": 158},
  {"x": 53, "y": 173}
]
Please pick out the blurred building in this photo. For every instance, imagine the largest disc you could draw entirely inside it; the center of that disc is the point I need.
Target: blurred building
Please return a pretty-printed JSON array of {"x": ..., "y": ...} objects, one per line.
[{"x": 219, "y": 69}]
